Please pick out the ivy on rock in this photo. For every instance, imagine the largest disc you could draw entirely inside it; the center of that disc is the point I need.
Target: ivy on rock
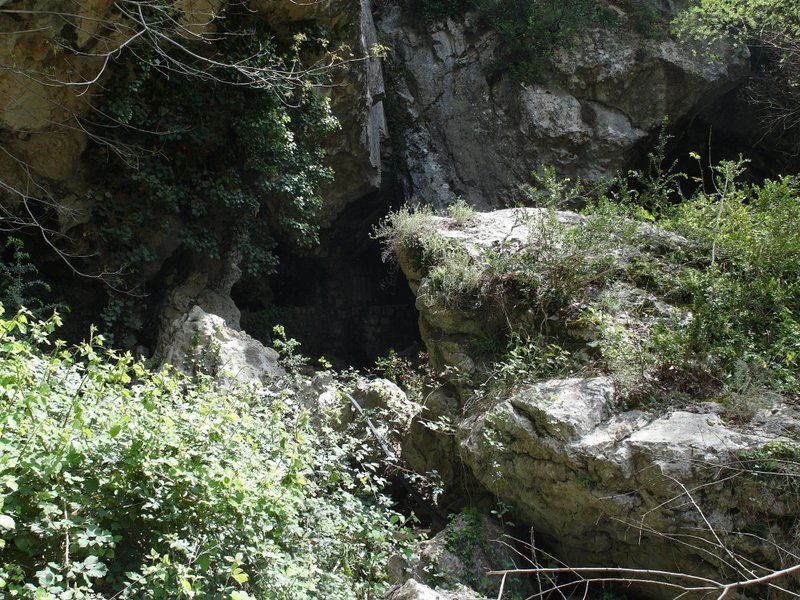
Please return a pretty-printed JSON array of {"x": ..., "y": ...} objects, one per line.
[{"x": 216, "y": 163}]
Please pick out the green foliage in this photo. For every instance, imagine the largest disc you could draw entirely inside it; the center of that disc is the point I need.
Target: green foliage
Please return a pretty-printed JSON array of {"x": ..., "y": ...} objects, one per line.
[
  {"x": 554, "y": 270},
  {"x": 415, "y": 377},
  {"x": 713, "y": 21},
  {"x": 530, "y": 358},
  {"x": 116, "y": 481},
  {"x": 770, "y": 26},
  {"x": 229, "y": 169},
  {"x": 775, "y": 466},
  {"x": 413, "y": 230},
  {"x": 20, "y": 285},
  {"x": 453, "y": 273},
  {"x": 461, "y": 212},
  {"x": 743, "y": 283},
  {"x": 466, "y": 538}
]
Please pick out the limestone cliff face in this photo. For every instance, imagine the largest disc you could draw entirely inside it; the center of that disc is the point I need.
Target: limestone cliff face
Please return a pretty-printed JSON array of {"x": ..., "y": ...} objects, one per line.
[
  {"x": 457, "y": 131},
  {"x": 45, "y": 91},
  {"x": 465, "y": 133},
  {"x": 357, "y": 97}
]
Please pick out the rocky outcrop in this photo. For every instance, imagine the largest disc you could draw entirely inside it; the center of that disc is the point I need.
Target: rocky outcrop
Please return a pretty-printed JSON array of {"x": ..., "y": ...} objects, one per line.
[
  {"x": 198, "y": 342},
  {"x": 466, "y": 133},
  {"x": 602, "y": 485},
  {"x": 605, "y": 487},
  {"x": 357, "y": 97}
]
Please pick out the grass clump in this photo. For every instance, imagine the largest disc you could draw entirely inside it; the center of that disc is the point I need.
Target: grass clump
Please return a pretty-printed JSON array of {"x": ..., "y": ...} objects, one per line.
[
  {"x": 677, "y": 298},
  {"x": 117, "y": 481},
  {"x": 416, "y": 233}
]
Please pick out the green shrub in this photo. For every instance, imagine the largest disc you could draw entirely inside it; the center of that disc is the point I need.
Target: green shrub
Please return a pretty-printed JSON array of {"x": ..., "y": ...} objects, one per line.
[
  {"x": 559, "y": 264},
  {"x": 116, "y": 481},
  {"x": 772, "y": 28},
  {"x": 20, "y": 284},
  {"x": 743, "y": 285},
  {"x": 461, "y": 212}
]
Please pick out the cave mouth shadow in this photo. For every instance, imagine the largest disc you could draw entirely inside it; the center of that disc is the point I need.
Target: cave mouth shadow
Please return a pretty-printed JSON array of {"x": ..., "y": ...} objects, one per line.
[{"x": 339, "y": 300}]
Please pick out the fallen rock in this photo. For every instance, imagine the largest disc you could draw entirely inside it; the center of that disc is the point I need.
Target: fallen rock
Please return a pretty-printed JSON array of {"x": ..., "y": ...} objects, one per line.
[
  {"x": 461, "y": 555},
  {"x": 201, "y": 342},
  {"x": 413, "y": 590}
]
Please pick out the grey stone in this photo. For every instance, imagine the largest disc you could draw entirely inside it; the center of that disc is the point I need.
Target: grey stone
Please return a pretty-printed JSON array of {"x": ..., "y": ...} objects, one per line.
[
  {"x": 467, "y": 135},
  {"x": 600, "y": 485},
  {"x": 204, "y": 341},
  {"x": 413, "y": 590}
]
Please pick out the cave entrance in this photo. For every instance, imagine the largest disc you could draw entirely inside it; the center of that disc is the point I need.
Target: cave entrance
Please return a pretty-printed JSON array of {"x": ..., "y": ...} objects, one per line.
[
  {"x": 727, "y": 128},
  {"x": 340, "y": 301}
]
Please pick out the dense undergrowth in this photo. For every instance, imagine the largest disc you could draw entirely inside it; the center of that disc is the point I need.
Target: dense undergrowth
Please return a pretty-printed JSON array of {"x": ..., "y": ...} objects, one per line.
[
  {"x": 117, "y": 481},
  {"x": 676, "y": 299}
]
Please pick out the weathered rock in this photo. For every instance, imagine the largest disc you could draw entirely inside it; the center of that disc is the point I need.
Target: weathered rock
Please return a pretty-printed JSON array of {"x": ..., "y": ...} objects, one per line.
[
  {"x": 413, "y": 590},
  {"x": 357, "y": 97},
  {"x": 464, "y": 552},
  {"x": 619, "y": 489},
  {"x": 448, "y": 330},
  {"x": 465, "y": 134},
  {"x": 600, "y": 484},
  {"x": 202, "y": 342},
  {"x": 430, "y": 444},
  {"x": 389, "y": 409}
]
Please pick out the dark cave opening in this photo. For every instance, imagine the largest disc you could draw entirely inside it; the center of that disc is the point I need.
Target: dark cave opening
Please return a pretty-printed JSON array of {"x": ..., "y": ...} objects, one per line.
[
  {"x": 340, "y": 300},
  {"x": 727, "y": 128}
]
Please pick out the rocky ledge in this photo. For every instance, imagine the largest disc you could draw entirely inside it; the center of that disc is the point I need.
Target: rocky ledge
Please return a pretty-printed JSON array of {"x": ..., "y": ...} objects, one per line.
[{"x": 689, "y": 488}]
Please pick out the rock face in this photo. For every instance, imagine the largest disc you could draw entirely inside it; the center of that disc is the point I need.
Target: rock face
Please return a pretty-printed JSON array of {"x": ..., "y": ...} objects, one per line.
[
  {"x": 357, "y": 101},
  {"x": 413, "y": 590},
  {"x": 609, "y": 488},
  {"x": 202, "y": 342},
  {"x": 461, "y": 555},
  {"x": 464, "y": 134},
  {"x": 601, "y": 484}
]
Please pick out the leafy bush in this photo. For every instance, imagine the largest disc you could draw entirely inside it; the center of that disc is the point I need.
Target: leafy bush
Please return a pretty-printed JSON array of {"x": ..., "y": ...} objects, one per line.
[
  {"x": 772, "y": 27},
  {"x": 116, "y": 481},
  {"x": 560, "y": 263},
  {"x": 743, "y": 285},
  {"x": 453, "y": 273},
  {"x": 20, "y": 284}
]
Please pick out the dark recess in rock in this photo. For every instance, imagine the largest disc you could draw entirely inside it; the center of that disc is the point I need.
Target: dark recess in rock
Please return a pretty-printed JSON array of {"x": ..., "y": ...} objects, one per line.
[{"x": 341, "y": 300}]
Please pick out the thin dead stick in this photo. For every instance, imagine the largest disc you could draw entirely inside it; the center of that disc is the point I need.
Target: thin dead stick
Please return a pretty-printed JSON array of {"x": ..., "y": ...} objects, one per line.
[{"x": 629, "y": 575}]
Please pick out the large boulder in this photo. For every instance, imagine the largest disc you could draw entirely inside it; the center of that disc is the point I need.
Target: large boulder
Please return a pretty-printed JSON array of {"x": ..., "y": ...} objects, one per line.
[
  {"x": 199, "y": 342},
  {"x": 604, "y": 487},
  {"x": 674, "y": 488}
]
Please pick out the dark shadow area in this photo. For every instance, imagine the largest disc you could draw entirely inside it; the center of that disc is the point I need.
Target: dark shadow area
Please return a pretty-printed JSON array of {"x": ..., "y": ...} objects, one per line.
[
  {"x": 340, "y": 300},
  {"x": 728, "y": 128}
]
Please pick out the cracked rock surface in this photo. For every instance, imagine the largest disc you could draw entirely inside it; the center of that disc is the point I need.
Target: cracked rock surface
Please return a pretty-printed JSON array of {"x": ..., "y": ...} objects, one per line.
[
  {"x": 669, "y": 488},
  {"x": 467, "y": 132}
]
